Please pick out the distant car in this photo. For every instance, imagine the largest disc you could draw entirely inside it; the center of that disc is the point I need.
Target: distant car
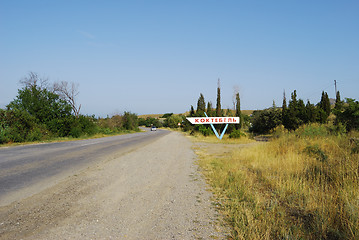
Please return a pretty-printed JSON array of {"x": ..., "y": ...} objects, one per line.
[{"x": 153, "y": 128}]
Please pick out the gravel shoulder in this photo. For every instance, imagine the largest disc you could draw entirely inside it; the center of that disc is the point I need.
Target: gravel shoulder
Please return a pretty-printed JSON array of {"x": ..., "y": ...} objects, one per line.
[{"x": 153, "y": 192}]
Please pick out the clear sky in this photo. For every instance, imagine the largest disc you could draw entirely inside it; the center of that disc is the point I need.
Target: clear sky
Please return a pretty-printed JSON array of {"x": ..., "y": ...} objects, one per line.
[{"x": 156, "y": 56}]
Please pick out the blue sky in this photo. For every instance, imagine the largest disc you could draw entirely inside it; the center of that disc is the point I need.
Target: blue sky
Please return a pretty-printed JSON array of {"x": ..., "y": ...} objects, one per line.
[{"x": 158, "y": 56}]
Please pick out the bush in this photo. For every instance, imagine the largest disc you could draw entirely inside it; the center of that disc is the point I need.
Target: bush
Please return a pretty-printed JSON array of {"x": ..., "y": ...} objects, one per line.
[
  {"x": 350, "y": 115},
  {"x": 173, "y": 121},
  {"x": 312, "y": 130},
  {"x": 148, "y": 122},
  {"x": 87, "y": 125},
  {"x": 204, "y": 130},
  {"x": 18, "y": 126},
  {"x": 130, "y": 121},
  {"x": 3, "y": 135},
  {"x": 35, "y": 135},
  {"x": 266, "y": 120},
  {"x": 236, "y": 134}
]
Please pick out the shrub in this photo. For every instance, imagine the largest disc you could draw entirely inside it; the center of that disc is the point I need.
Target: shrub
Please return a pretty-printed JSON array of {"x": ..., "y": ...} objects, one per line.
[
  {"x": 173, "y": 121},
  {"x": 204, "y": 130},
  {"x": 312, "y": 130},
  {"x": 130, "y": 121},
  {"x": 236, "y": 134},
  {"x": 266, "y": 120}
]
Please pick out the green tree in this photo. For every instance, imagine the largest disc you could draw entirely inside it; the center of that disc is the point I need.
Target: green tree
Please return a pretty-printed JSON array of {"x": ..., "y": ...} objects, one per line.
[
  {"x": 324, "y": 108},
  {"x": 312, "y": 113},
  {"x": 130, "y": 121},
  {"x": 238, "y": 111},
  {"x": 265, "y": 120},
  {"x": 338, "y": 108},
  {"x": 40, "y": 103},
  {"x": 191, "y": 112},
  {"x": 285, "y": 112},
  {"x": 349, "y": 116},
  {"x": 19, "y": 126},
  {"x": 173, "y": 121},
  {"x": 45, "y": 107},
  {"x": 302, "y": 112},
  {"x": 338, "y": 102},
  {"x": 218, "y": 105},
  {"x": 210, "y": 111},
  {"x": 292, "y": 121},
  {"x": 201, "y": 105}
]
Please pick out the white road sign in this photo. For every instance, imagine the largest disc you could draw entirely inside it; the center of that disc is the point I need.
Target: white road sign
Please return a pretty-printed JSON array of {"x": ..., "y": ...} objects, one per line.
[{"x": 213, "y": 120}]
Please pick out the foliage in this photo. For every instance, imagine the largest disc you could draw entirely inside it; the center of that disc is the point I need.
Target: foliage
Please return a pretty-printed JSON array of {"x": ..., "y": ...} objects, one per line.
[
  {"x": 19, "y": 126},
  {"x": 348, "y": 114},
  {"x": 130, "y": 121},
  {"x": 38, "y": 113},
  {"x": 44, "y": 107},
  {"x": 238, "y": 111},
  {"x": 150, "y": 121},
  {"x": 218, "y": 103},
  {"x": 265, "y": 120},
  {"x": 42, "y": 104},
  {"x": 201, "y": 106},
  {"x": 210, "y": 111},
  {"x": 205, "y": 130},
  {"x": 191, "y": 112},
  {"x": 236, "y": 134},
  {"x": 173, "y": 121},
  {"x": 166, "y": 115},
  {"x": 290, "y": 188}
]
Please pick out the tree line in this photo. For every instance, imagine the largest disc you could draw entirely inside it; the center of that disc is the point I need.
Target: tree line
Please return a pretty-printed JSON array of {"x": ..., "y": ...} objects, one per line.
[
  {"x": 343, "y": 115},
  {"x": 296, "y": 113},
  {"x": 43, "y": 111}
]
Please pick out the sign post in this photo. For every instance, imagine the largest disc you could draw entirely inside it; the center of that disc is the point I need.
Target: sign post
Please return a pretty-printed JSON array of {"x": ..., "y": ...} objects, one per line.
[{"x": 214, "y": 120}]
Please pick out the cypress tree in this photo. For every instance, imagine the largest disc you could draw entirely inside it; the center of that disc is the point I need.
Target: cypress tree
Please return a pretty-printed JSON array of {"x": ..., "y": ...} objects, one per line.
[
  {"x": 209, "y": 109},
  {"x": 338, "y": 108},
  {"x": 191, "y": 113},
  {"x": 324, "y": 108},
  {"x": 201, "y": 106},
  {"x": 238, "y": 111},
  {"x": 301, "y": 112},
  {"x": 284, "y": 111},
  {"x": 338, "y": 102},
  {"x": 218, "y": 106},
  {"x": 292, "y": 113},
  {"x": 327, "y": 108},
  {"x": 311, "y": 112}
]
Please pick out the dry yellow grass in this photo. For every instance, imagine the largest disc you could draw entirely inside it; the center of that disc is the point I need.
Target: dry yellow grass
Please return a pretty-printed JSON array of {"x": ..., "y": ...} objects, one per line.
[{"x": 294, "y": 187}]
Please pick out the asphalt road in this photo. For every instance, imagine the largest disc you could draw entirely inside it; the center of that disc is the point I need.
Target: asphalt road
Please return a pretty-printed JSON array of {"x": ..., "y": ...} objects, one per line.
[{"x": 26, "y": 170}]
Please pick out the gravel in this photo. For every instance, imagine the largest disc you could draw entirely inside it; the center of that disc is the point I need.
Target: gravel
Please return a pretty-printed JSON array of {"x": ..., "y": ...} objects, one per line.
[{"x": 153, "y": 192}]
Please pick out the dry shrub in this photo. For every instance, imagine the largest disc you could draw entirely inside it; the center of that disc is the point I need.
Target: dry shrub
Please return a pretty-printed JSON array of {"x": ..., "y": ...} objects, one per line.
[{"x": 294, "y": 187}]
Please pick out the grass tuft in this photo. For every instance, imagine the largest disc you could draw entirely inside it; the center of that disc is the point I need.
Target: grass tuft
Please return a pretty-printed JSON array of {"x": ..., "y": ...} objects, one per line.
[{"x": 298, "y": 186}]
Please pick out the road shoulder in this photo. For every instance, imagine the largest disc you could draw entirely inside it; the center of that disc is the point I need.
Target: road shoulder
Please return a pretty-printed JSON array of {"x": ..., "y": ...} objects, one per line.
[{"x": 155, "y": 192}]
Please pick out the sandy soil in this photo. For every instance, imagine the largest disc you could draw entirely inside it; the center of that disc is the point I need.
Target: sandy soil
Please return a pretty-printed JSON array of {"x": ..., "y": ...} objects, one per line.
[{"x": 154, "y": 192}]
